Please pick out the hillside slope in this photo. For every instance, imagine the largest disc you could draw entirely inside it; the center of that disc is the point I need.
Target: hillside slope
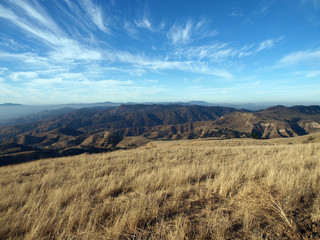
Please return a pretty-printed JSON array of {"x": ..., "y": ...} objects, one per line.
[
  {"x": 186, "y": 189},
  {"x": 273, "y": 122}
]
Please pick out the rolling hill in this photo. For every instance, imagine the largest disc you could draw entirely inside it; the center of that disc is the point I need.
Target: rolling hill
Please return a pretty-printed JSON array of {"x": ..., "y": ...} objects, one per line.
[
  {"x": 101, "y": 129},
  {"x": 186, "y": 189}
]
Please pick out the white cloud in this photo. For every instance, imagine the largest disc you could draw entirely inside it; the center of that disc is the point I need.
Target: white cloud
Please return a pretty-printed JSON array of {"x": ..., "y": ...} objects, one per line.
[
  {"x": 6, "y": 13},
  {"x": 46, "y": 83},
  {"x": 180, "y": 33},
  {"x": 236, "y": 13},
  {"x": 63, "y": 47},
  {"x": 25, "y": 57},
  {"x": 162, "y": 25},
  {"x": 95, "y": 14},
  {"x": 263, "y": 8},
  {"x": 67, "y": 52},
  {"x": 144, "y": 23},
  {"x": 300, "y": 57},
  {"x": 139, "y": 64},
  {"x": 37, "y": 13},
  {"x": 313, "y": 74},
  {"x": 258, "y": 47},
  {"x": 3, "y": 70},
  {"x": 11, "y": 44},
  {"x": 217, "y": 52},
  {"x": 47, "y": 36},
  {"x": 267, "y": 44},
  {"x": 220, "y": 52},
  {"x": 72, "y": 80},
  {"x": 20, "y": 76},
  {"x": 72, "y": 76},
  {"x": 54, "y": 70},
  {"x": 130, "y": 29},
  {"x": 73, "y": 51},
  {"x": 131, "y": 70},
  {"x": 187, "y": 66},
  {"x": 113, "y": 83},
  {"x": 143, "y": 63},
  {"x": 221, "y": 73}
]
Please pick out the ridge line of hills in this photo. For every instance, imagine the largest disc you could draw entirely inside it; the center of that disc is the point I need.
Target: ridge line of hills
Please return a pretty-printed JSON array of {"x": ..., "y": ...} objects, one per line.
[
  {"x": 11, "y": 111},
  {"x": 99, "y": 129}
]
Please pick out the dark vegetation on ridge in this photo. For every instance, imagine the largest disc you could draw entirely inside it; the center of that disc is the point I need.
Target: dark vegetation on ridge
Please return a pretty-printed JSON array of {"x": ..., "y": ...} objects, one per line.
[{"x": 66, "y": 132}]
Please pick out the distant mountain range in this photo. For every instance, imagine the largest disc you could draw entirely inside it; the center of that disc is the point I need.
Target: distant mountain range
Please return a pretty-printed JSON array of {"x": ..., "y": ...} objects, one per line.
[
  {"x": 69, "y": 131},
  {"x": 10, "y": 104},
  {"x": 18, "y": 113}
]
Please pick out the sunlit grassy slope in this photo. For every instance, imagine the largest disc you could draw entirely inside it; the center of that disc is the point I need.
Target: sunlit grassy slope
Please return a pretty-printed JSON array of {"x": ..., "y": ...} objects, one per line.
[{"x": 197, "y": 189}]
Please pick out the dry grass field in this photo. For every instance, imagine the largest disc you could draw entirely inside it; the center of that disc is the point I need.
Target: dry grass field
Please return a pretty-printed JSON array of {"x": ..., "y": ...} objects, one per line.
[{"x": 196, "y": 189}]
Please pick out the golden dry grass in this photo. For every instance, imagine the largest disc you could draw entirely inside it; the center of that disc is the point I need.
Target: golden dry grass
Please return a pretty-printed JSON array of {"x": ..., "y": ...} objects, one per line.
[{"x": 200, "y": 189}]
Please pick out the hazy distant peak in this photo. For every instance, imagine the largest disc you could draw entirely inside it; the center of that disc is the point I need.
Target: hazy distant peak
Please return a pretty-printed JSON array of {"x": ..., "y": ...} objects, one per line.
[{"x": 10, "y": 104}]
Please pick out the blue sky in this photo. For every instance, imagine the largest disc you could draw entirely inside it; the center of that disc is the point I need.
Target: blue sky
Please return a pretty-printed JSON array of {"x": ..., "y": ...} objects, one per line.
[{"x": 231, "y": 51}]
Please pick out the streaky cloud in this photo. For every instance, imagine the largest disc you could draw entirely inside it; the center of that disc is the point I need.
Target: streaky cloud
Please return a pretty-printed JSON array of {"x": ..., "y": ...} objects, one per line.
[
  {"x": 216, "y": 52},
  {"x": 313, "y": 74},
  {"x": 299, "y": 57},
  {"x": 20, "y": 76},
  {"x": 180, "y": 33},
  {"x": 95, "y": 14},
  {"x": 37, "y": 13},
  {"x": 258, "y": 47},
  {"x": 190, "y": 31},
  {"x": 144, "y": 23}
]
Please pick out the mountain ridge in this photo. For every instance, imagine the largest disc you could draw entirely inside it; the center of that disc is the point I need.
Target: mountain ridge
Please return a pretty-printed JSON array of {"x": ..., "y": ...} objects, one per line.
[{"x": 100, "y": 129}]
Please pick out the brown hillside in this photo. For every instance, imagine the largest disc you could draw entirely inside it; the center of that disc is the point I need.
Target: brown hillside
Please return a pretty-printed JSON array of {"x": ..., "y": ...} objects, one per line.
[{"x": 186, "y": 189}]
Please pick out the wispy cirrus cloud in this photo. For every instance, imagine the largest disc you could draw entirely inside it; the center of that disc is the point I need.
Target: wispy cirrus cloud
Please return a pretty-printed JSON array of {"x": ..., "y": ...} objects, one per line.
[
  {"x": 3, "y": 70},
  {"x": 11, "y": 44},
  {"x": 267, "y": 44},
  {"x": 216, "y": 52},
  {"x": 313, "y": 74},
  {"x": 180, "y": 33},
  {"x": 37, "y": 13},
  {"x": 64, "y": 48},
  {"x": 74, "y": 51},
  {"x": 264, "y": 8},
  {"x": 133, "y": 29},
  {"x": 29, "y": 58},
  {"x": 258, "y": 47},
  {"x": 144, "y": 23},
  {"x": 18, "y": 76},
  {"x": 305, "y": 57},
  {"x": 187, "y": 66},
  {"x": 236, "y": 13},
  {"x": 45, "y": 35},
  {"x": 144, "y": 63},
  {"x": 188, "y": 31},
  {"x": 95, "y": 13},
  {"x": 130, "y": 29},
  {"x": 219, "y": 52},
  {"x": 61, "y": 45}
]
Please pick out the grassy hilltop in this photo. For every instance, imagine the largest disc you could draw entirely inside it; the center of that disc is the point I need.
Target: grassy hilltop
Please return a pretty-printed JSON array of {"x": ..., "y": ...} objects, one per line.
[{"x": 187, "y": 189}]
